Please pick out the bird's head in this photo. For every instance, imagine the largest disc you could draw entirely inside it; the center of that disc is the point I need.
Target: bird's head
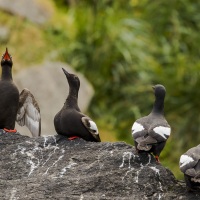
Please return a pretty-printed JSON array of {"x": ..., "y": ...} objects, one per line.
[
  {"x": 72, "y": 79},
  {"x": 6, "y": 59},
  {"x": 159, "y": 90}
]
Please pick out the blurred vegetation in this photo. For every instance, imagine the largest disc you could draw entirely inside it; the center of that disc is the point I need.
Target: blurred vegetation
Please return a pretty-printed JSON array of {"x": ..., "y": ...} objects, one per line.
[{"x": 124, "y": 49}]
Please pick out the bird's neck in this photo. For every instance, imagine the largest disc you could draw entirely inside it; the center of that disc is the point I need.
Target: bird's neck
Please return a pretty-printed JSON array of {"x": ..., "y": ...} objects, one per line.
[
  {"x": 158, "y": 106},
  {"x": 72, "y": 99},
  {"x": 6, "y": 73}
]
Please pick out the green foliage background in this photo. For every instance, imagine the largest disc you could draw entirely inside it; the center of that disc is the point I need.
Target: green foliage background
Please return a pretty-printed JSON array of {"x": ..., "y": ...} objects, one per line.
[{"x": 123, "y": 48}]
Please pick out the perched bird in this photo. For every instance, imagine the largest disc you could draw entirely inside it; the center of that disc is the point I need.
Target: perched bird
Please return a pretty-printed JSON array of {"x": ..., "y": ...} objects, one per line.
[
  {"x": 190, "y": 166},
  {"x": 9, "y": 100},
  {"x": 22, "y": 108},
  {"x": 151, "y": 132},
  {"x": 69, "y": 121}
]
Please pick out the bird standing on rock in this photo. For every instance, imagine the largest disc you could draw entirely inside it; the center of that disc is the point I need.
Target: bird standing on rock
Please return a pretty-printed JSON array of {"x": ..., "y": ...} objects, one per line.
[
  {"x": 22, "y": 108},
  {"x": 190, "y": 166},
  {"x": 151, "y": 132},
  {"x": 69, "y": 121}
]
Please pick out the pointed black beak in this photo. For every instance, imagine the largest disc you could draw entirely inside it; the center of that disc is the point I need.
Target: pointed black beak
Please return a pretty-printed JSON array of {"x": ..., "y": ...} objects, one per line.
[{"x": 66, "y": 73}]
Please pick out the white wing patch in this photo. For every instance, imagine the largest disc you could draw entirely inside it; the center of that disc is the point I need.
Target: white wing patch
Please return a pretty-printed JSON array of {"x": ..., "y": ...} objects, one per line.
[
  {"x": 136, "y": 128},
  {"x": 162, "y": 131},
  {"x": 184, "y": 160},
  {"x": 93, "y": 127}
]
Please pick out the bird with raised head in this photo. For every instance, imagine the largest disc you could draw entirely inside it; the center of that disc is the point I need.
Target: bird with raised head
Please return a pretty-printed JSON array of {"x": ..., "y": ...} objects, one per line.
[
  {"x": 70, "y": 121},
  {"x": 151, "y": 132},
  {"x": 22, "y": 107}
]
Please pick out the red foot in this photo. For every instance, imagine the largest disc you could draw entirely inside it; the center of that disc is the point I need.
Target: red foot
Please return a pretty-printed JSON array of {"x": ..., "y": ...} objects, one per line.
[
  {"x": 73, "y": 137},
  {"x": 157, "y": 159},
  {"x": 10, "y": 130}
]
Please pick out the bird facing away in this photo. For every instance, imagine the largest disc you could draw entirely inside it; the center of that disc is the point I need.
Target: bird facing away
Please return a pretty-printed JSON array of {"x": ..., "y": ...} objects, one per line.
[
  {"x": 69, "y": 121},
  {"x": 22, "y": 107},
  {"x": 151, "y": 132},
  {"x": 190, "y": 165}
]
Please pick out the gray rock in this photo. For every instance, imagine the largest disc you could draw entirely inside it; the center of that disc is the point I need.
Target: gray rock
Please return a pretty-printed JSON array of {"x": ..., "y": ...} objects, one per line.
[
  {"x": 56, "y": 168},
  {"x": 49, "y": 86},
  {"x": 34, "y": 10},
  {"x": 4, "y": 33}
]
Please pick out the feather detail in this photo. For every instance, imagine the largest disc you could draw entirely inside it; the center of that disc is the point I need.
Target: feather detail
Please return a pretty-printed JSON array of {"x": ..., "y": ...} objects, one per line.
[
  {"x": 91, "y": 127},
  {"x": 163, "y": 131},
  {"x": 185, "y": 159},
  {"x": 137, "y": 127},
  {"x": 29, "y": 113}
]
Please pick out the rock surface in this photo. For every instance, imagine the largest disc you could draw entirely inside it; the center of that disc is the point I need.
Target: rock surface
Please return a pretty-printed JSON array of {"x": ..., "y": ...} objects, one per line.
[
  {"x": 33, "y": 10},
  {"x": 49, "y": 86},
  {"x": 54, "y": 168}
]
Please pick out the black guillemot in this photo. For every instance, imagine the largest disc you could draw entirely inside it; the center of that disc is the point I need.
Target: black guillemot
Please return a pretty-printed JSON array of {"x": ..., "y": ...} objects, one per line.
[
  {"x": 22, "y": 107},
  {"x": 69, "y": 121},
  {"x": 151, "y": 132}
]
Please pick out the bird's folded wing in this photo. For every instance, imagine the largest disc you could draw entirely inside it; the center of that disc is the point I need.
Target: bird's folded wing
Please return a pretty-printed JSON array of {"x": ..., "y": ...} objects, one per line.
[
  {"x": 191, "y": 172},
  {"x": 29, "y": 113},
  {"x": 145, "y": 143},
  {"x": 138, "y": 130},
  {"x": 194, "y": 172},
  {"x": 194, "y": 152},
  {"x": 146, "y": 140},
  {"x": 186, "y": 163},
  {"x": 160, "y": 133},
  {"x": 91, "y": 127}
]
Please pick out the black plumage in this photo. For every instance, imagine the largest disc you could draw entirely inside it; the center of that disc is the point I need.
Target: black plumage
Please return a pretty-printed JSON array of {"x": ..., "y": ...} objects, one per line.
[
  {"x": 69, "y": 121},
  {"x": 151, "y": 132},
  {"x": 9, "y": 100},
  {"x": 14, "y": 106}
]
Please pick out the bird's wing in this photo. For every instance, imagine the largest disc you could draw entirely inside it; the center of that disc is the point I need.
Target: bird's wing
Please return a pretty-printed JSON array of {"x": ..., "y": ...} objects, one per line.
[
  {"x": 91, "y": 127},
  {"x": 146, "y": 138},
  {"x": 140, "y": 135},
  {"x": 187, "y": 163},
  {"x": 29, "y": 113},
  {"x": 160, "y": 133},
  {"x": 190, "y": 162},
  {"x": 138, "y": 130},
  {"x": 145, "y": 143}
]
